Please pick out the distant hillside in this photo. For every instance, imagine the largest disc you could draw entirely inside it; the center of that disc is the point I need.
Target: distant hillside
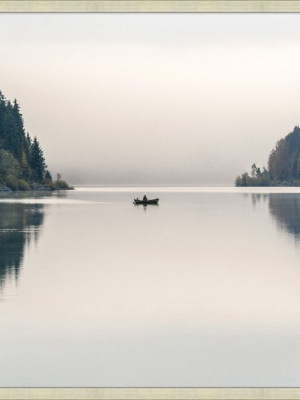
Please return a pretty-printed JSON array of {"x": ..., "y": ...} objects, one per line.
[
  {"x": 283, "y": 165},
  {"x": 22, "y": 161}
]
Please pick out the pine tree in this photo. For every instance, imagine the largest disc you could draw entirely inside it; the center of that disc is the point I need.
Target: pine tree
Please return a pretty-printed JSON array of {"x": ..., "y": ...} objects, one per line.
[
  {"x": 48, "y": 175},
  {"x": 26, "y": 172},
  {"x": 2, "y": 116},
  {"x": 9, "y": 129},
  {"x": 19, "y": 135},
  {"x": 38, "y": 165}
]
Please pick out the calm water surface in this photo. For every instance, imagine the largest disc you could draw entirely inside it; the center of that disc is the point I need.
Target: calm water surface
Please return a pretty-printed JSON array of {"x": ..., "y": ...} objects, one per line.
[{"x": 202, "y": 290}]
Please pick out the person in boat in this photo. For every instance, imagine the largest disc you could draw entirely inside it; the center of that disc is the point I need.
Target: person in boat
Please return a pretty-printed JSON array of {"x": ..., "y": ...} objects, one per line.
[{"x": 145, "y": 198}]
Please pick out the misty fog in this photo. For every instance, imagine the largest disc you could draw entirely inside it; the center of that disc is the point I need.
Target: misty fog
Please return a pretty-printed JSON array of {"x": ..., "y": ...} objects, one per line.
[{"x": 153, "y": 99}]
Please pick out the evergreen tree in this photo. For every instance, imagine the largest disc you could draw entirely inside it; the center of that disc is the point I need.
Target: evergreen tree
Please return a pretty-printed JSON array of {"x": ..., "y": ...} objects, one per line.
[
  {"x": 48, "y": 175},
  {"x": 20, "y": 135},
  {"x": 10, "y": 140},
  {"x": 38, "y": 165},
  {"x": 26, "y": 156},
  {"x": 2, "y": 117}
]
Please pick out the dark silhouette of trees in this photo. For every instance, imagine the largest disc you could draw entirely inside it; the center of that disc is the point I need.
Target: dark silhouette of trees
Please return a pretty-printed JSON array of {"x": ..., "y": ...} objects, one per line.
[
  {"x": 283, "y": 165},
  {"x": 285, "y": 208},
  {"x": 22, "y": 161},
  {"x": 37, "y": 161}
]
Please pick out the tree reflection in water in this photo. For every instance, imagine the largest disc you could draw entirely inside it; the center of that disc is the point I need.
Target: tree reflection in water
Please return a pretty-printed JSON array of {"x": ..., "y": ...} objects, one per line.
[
  {"x": 285, "y": 208},
  {"x": 19, "y": 224}
]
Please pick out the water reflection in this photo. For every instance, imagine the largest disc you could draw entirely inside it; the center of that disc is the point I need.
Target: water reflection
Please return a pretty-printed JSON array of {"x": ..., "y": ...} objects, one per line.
[
  {"x": 285, "y": 208},
  {"x": 258, "y": 197},
  {"x": 19, "y": 224}
]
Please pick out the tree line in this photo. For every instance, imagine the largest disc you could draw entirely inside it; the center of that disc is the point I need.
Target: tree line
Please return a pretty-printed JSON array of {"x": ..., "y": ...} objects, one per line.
[
  {"x": 283, "y": 165},
  {"x": 22, "y": 161}
]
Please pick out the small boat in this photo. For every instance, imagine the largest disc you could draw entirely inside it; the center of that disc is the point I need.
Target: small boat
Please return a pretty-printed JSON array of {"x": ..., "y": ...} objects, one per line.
[{"x": 153, "y": 201}]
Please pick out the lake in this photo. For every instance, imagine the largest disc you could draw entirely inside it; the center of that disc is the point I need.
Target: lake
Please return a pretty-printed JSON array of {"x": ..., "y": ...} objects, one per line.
[{"x": 201, "y": 290}]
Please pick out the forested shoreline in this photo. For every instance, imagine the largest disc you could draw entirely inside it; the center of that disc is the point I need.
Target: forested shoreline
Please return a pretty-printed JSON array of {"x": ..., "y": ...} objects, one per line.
[
  {"x": 22, "y": 162},
  {"x": 23, "y": 166},
  {"x": 283, "y": 165}
]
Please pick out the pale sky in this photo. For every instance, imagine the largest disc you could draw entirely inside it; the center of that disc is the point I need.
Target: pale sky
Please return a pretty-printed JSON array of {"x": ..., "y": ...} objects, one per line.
[{"x": 150, "y": 99}]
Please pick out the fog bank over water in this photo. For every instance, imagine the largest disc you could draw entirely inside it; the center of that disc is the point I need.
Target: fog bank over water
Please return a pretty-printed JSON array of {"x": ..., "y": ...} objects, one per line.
[{"x": 158, "y": 99}]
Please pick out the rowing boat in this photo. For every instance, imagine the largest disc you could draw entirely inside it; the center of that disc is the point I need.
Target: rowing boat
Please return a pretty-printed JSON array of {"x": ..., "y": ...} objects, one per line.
[{"x": 153, "y": 201}]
